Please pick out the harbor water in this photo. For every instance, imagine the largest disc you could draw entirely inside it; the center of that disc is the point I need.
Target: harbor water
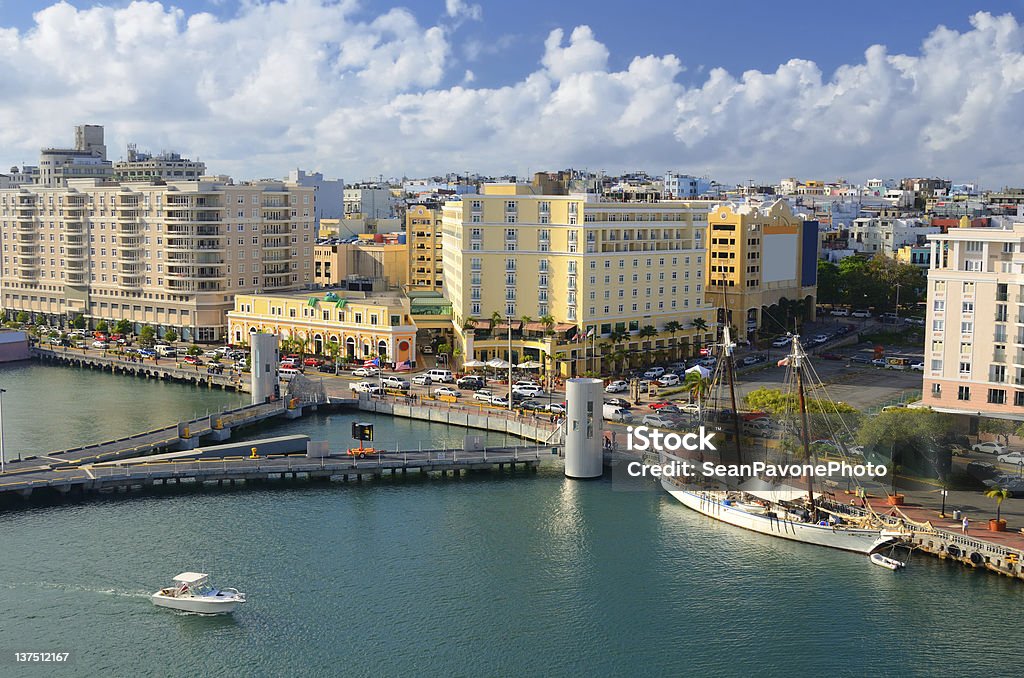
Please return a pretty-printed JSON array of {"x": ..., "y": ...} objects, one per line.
[{"x": 488, "y": 574}]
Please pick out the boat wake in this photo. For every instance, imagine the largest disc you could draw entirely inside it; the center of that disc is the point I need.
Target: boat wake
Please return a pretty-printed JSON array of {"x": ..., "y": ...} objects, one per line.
[{"x": 75, "y": 588}]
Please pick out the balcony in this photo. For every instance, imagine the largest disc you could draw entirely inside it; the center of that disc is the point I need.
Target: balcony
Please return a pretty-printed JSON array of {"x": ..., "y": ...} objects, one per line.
[
  {"x": 276, "y": 269},
  {"x": 194, "y": 273},
  {"x": 78, "y": 253},
  {"x": 276, "y": 243},
  {"x": 74, "y": 227},
  {"x": 26, "y": 225},
  {"x": 276, "y": 282},
  {"x": 130, "y": 268},
  {"x": 26, "y": 237},
  {"x": 129, "y": 255},
  {"x": 132, "y": 281},
  {"x": 75, "y": 277}
]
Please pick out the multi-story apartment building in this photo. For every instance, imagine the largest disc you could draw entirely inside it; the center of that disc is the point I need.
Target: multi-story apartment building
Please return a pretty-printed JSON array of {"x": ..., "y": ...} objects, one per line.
[
  {"x": 759, "y": 257},
  {"x": 584, "y": 266},
  {"x": 423, "y": 233},
  {"x": 88, "y": 159},
  {"x": 885, "y": 235},
  {"x": 330, "y": 193},
  {"x": 383, "y": 257},
  {"x": 368, "y": 202},
  {"x": 974, "y": 336},
  {"x": 167, "y": 254},
  {"x": 363, "y": 324},
  {"x": 168, "y": 166}
]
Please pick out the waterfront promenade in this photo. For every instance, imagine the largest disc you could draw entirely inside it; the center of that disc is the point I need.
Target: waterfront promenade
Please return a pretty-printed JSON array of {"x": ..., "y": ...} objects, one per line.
[{"x": 148, "y": 368}]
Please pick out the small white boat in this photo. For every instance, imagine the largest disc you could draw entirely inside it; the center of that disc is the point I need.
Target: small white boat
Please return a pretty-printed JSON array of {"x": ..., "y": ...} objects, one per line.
[
  {"x": 192, "y": 592},
  {"x": 887, "y": 562}
]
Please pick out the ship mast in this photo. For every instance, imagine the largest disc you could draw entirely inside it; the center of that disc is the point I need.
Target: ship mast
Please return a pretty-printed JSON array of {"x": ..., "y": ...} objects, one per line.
[
  {"x": 727, "y": 347},
  {"x": 797, "y": 358}
]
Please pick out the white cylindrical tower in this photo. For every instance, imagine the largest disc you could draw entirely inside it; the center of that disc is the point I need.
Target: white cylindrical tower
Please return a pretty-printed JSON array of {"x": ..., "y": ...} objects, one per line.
[
  {"x": 584, "y": 426},
  {"x": 264, "y": 360}
]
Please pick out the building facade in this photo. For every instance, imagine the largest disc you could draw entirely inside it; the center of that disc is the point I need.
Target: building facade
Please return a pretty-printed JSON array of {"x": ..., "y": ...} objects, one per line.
[
  {"x": 759, "y": 259},
  {"x": 380, "y": 257},
  {"x": 563, "y": 267},
  {"x": 87, "y": 160},
  {"x": 168, "y": 166},
  {"x": 330, "y": 193},
  {"x": 974, "y": 352},
  {"x": 364, "y": 325},
  {"x": 167, "y": 254},
  {"x": 423, "y": 233}
]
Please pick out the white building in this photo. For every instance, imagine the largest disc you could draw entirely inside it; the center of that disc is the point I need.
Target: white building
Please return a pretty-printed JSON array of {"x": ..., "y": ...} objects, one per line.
[
  {"x": 330, "y": 193},
  {"x": 87, "y": 160}
]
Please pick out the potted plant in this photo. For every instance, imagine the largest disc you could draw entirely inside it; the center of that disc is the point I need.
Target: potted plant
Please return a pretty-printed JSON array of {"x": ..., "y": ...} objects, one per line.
[{"x": 999, "y": 494}]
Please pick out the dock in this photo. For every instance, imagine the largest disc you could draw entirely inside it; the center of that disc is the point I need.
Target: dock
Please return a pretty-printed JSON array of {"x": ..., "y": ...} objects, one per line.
[
  {"x": 81, "y": 481},
  {"x": 167, "y": 369},
  {"x": 216, "y": 426}
]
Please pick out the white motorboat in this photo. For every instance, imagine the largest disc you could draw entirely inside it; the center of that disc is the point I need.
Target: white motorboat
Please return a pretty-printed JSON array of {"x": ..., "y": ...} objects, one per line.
[
  {"x": 192, "y": 592},
  {"x": 887, "y": 562}
]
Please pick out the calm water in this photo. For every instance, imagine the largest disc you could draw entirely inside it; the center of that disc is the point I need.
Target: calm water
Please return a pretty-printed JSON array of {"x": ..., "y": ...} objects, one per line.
[{"x": 487, "y": 575}]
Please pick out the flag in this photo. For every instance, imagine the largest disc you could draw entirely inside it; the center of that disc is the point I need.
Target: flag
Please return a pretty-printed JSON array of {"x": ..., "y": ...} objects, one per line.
[
  {"x": 783, "y": 363},
  {"x": 372, "y": 363},
  {"x": 705, "y": 352},
  {"x": 590, "y": 333},
  {"x": 403, "y": 366}
]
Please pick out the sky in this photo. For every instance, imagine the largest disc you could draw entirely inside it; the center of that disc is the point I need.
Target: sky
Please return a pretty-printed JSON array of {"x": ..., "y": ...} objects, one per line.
[{"x": 357, "y": 89}]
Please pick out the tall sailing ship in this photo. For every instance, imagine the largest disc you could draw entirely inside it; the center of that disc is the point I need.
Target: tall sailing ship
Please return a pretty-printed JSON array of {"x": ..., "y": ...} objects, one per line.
[{"x": 792, "y": 508}]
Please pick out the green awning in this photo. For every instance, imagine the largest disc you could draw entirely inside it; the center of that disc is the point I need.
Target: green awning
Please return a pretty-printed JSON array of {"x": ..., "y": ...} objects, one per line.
[
  {"x": 313, "y": 301},
  {"x": 341, "y": 303}
]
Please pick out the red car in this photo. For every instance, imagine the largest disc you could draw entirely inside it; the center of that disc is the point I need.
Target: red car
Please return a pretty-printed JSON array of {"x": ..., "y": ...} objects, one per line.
[
  {"x": 660, "y": 404},
  {"x": 312, "y": 362},
  {"x": 193, "y": 360}
]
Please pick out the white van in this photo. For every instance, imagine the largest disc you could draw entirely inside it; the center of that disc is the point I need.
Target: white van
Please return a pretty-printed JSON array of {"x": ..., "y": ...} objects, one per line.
[
  {"x": 617, "y": 413},
  {"x": 165, "y": 350},
  {"x": 288, "y": 371},
  {"x": 442, "y": 376}
]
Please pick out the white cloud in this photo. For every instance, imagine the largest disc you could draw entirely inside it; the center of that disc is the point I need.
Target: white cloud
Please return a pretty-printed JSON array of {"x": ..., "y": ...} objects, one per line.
[
  {"x": 460, "y": 9},
  {"x": 310, "y": 83}
]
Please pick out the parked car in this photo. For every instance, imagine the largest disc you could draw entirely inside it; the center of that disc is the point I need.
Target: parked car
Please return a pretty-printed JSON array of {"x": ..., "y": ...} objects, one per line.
[
  {"x": 483, "y": 395},
  {"x": 471, "y": 382},
  {"x": 840, "y": 312},
  {"x": 427, "y": 350},
  {"x": 654, "y": 372},
  {"x": 861, "y": 313},
  {"x": 830, "y": 356},
  {"x": 916, "y": 321},
  {"x": 879, "y": 362},
  {"x": 618, "y": 386},
  {"x": 612, "y": 413},
  {"x": 657, "y": 405},
  {"x": 670, "y": 409},
  {"x": 889, "y": 318},
  {"x": 555, "y": 408},
  {"x": 422, "y": 380},
  {"x": 989, "y": 447},
  {"x": 99, "y": 344},
  {"x": 396, "y": 382},
  {"x": 499, "y": 401},
  {"x": 446, "y": 391},
  {"x": 366, "y": 387},
  {"x": 782, "y": 341},
  {"x": 528, "y": 391},
  {"x": 327, "y": 367},
  {"x": 211, "y": 354},
  {"x": 658, "y": 420},
  {"x": 312, "y": 362},
  {"x": 918, "y": 366},
  {"x": 669, "y": 380},
  {"x": 821, "y": 338},
  {"x": 442, "y": 376},
  {"x": 146, "y": 352},
  {"x": 863, "y": 359},
  {"x": 193, "y": 360},
  {"x": 532, "y": 405},
  {"x": 362, "y": 371},
  {"x": 753, "y": 360},
  {"x": 1012, "y": 458}
]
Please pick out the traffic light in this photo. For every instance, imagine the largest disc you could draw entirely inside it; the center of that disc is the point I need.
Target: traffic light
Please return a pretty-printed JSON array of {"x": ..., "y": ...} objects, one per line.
[{"x": 362, "y": 431}]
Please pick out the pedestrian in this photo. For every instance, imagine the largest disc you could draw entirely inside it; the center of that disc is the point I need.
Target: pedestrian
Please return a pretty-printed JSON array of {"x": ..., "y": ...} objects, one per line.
[{"x": 965, "y": 525}]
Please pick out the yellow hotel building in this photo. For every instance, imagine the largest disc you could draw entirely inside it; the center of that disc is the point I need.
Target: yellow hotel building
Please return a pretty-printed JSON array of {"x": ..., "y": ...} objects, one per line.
[
  {"x": 364, "y": 324},
  {"x": 581, "y": 264},
  {"x": 761, "y": 257}
]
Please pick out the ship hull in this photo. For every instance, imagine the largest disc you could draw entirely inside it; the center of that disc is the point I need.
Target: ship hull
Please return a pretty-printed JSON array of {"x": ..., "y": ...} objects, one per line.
[{"x": 858, "y": 540}]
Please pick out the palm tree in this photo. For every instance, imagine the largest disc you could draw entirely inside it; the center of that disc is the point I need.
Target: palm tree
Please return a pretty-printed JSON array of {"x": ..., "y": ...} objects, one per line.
[
  {"x": 526, "y": 320},
  {"x": 619, "y": 355},
  {"x": 494, "y": 320},
  {"x": 469, "y": 323},
  {"x": 697, "y": 386},
  {"x": 646, "y": 332},
  {"x": 333, "y": 352},
  {"x": 672, "y": 327},
  {"x": 549, "y": 324},
  {"x": 999, "y": 494},
  {"x": 699, "y": 324}
]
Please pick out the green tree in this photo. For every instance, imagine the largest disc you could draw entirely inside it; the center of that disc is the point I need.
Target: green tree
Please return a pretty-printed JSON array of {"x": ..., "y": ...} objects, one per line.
[
  {"x": 673, "y": 326},
  {"x": 23, "y": 317},
  {"x": 494, "y": 320},
  {"x": 699, "y": 324},
  {"x": 123, "y": 327},
  {"x": 194, "y": 350},
  {"x": 79, "y": 322},
  {"x": 102, "y": 326},
  {"x": 1002, "y": 429},
  {"x": 999, "y": 494},
  {"x": 548, "y": 321},
  {"x": 170, "y": 336},
  {"x": 829, "y": 283},
  {"x": 697, "y": 386},
  {"x": 147, "y": 335}
]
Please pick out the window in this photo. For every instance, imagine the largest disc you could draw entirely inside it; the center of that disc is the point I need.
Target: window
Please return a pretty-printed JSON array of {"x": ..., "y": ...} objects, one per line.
[
  {"x": 963, "y": 393},
  {"x": 965, "y": 368},
  {"x": 966, "y": 327},
  {"x": 936, "y": 390},
  {"x": 939, "y": 305},
  {"x": 997, "y": 396},
  {"x": 968, "y": 307},
  {"x": 938, "y": 325}
]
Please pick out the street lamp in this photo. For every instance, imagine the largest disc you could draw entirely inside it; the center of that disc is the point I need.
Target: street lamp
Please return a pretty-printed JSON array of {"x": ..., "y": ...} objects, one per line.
[
  {"x": 942, "y": 511},
  {"x": 509, "y": 320}
]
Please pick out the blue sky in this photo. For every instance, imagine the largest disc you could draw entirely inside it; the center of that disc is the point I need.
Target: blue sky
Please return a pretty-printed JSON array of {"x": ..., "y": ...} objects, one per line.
[{"x": 432, "y": 86}]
